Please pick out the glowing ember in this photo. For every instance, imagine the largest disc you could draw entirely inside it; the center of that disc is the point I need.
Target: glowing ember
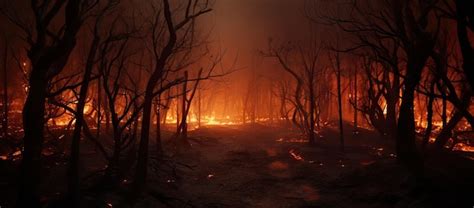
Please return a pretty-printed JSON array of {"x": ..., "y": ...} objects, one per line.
[
  {"x": 210, "y": 176},
  {"x": 295, "y": 155},
  {"x": 463, "y": 147},
  {"x": 17, "y": 153},
  {"x": 292, "y": 140}
]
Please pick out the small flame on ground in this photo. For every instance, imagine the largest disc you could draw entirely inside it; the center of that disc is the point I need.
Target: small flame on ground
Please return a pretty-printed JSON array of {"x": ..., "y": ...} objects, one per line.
[
  {"x": 296, "y": 155},
  {"x": 17, "y": 153},
  {"x": 292, "y": 140},
  {"x": 463, "y": 147}
]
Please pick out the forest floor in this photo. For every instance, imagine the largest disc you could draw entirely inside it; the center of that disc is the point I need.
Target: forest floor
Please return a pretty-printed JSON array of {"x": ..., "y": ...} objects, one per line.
[
  {"x": 269, "y": 166},
  {"x": 260, "y": 166}
]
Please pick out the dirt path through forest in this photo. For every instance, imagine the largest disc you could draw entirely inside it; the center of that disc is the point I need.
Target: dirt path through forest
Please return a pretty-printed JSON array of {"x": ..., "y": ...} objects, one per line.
[{"x": 257, "y": 166}]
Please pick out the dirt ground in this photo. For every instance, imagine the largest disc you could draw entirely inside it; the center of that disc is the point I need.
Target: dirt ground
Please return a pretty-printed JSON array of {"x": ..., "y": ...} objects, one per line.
[
  {"x": 259, "y": 166},
  {"x": 267, "y": 166}
]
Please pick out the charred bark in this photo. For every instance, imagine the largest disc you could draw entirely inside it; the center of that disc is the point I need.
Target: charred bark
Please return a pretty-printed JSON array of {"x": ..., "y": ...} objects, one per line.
[
  {"x": 464, "y": 13},
  {"x": 5, "y": 92},
  {"x": 73, "y": 169}
]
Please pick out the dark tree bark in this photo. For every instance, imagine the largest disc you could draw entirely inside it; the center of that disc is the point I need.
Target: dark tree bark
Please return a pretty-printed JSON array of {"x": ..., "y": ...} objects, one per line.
[
  {"x": 304, "y": 97},
  {"x": 182, "y": 132},
  {"x": 446, "y": 132},
  {"x": 429, "y": 117},
  {"x": 99, "y": 104},
  {"x": 199, "y": 108},
  {"x": 47, "y": 60},
  {"x": 5, "y": 91},
  {"x": 337, "y": 69},
  {"x": 73, "y": 169},
  {"x": 159, "y": 146},
  {"x": 156, "y": 76},
  {"x": 355, "y": 94},
  {"x": 406, "y": 136},
  {"x": 465, "y": 13}
]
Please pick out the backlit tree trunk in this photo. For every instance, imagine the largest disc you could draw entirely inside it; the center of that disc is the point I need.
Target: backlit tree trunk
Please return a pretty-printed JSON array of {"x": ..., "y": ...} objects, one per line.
[{"x": 5, "y": 92}]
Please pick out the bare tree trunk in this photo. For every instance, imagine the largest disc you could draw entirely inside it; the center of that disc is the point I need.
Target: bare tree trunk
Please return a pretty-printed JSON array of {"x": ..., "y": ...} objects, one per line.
[
  {"x": 245, "y": 106},
  {"x": 107, "y": 119},
  {"x": 182, "y": 127},
  {"x": 183, "y": 133},
  {"x": 446, "y": 133},
  {"x": 156, "y": 76},
  {"x": 99, "y": 100},
  {"x": 73, "y": 169},
  {"x": 178, "y": 116},
  {"x": 270, "y": 107},
  {"x": 5, "y": 92},
  {"x": 33, "y": 125},
  {"x": 392, "y": 104},
  {"x": 339, "y": 101},
  {"x": 406, "y": 137},
  {"x": 311, "y": 111},
  {"x": 159, "y": 146},
  {"x": 444, "y": 115},
  {"x": 429, "y": 118},
  {"x": 199, "y": 109},
  {"x": 42, "y": 56},
  {"x": 318, "y": 113},
  {"x": 355, "y": 101},
  {"x": 142, "y": 163},
  {"x": 467, "y": 51}
]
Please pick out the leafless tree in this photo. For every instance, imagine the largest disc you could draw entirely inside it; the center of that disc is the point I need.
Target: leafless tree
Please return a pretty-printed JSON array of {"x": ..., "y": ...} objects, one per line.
[
  {"x": 73, "y": 171},
  {"x": 305, "y": 77},
  {"x": 5, "y": 102},
  {"x": 49, "y": 50},
  {"x": 415, "y": 27},
  {"x": 177, "y": 31},
  {"x": 337, "y": 68}
]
